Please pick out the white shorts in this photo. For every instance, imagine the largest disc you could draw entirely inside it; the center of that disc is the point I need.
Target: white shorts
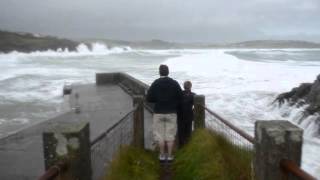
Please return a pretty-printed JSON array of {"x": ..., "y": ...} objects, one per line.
[{"x": 164, "y": 127}]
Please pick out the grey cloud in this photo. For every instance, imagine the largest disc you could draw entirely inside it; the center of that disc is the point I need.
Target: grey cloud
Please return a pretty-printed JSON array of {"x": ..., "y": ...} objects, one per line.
[{"x": 175, "y": 20}]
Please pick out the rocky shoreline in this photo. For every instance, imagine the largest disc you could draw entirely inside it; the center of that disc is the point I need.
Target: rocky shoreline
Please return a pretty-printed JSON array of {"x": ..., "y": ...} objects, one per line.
[
  {"x": 305, "y": 94},
  {"x": 27, "y": 42}
]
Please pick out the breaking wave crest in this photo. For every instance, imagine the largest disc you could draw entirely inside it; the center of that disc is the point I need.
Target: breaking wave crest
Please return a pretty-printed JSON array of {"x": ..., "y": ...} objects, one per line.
[
  {"x": 243, "y": 92},
  {"x": 95, "y": 49},
  {"x": 240, "y": 89}
]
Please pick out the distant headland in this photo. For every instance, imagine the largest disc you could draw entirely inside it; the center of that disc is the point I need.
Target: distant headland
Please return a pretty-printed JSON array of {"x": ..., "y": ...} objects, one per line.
[
  {"x": 28, "y": 42},
  {"x": 257, "y": 44}
]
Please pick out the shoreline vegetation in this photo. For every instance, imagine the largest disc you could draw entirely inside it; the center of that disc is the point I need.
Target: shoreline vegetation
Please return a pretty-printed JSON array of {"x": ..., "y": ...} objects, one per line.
[
  {"x": 28, "y": 42},
  {"x": 207, "y": 156},
  {"x": 131, "y": 163},
  {"x": 211, "y": 156}
]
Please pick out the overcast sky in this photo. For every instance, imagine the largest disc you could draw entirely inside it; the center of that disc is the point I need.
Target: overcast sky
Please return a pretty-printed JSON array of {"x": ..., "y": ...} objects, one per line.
[{"x": 173, "y": 20}]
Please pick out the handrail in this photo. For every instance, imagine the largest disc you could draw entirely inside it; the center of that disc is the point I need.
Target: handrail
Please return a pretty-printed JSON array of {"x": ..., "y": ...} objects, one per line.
[
  {"x": 289, "y": 166},
  {"x": 54, "y": 171},
  {"x": 230, "y": 125},
  {"x": 62, "y": 167},
  {"x": 148, "y": 108},
  {"x": 101, "y": 136}
]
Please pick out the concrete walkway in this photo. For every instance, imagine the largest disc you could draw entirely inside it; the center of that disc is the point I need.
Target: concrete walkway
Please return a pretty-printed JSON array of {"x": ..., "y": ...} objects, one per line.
[{"x": 21, "y": 155}]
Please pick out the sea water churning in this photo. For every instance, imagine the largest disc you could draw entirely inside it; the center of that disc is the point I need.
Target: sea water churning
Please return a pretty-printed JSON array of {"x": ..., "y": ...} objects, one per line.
[{"x": 239, "y": 84}]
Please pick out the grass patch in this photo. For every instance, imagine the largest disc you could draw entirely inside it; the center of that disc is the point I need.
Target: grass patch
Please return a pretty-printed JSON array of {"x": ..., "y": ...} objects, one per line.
[
  {"x": 134, "y": 164},
  {"x": 210, "y": 156}
]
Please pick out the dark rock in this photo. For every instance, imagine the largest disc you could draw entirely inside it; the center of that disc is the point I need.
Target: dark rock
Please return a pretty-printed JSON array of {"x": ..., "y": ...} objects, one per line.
[
  {"x": 314, "y": 94},
  {"x": 306, "y": 93},
  {"x": 318, "y": 123},
  {"x": 296, "y": 94}
]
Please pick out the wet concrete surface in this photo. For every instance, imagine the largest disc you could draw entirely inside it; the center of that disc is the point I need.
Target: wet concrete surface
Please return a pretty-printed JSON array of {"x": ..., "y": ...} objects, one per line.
[{"x": 21, "y": 154}]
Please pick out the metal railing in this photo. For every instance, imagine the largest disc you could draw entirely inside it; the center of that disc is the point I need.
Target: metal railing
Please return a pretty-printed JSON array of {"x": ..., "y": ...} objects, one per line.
[
  {"x": 102, "y": 148},
  {"x": 55, "y": 171},
  {"x": 225, "y": 128},
  {"x": 291, "y": 168},
  {"x": 235, "y": 142},
  {"x": 245, "y": 141},
  {"x": 107, "y": 144}
]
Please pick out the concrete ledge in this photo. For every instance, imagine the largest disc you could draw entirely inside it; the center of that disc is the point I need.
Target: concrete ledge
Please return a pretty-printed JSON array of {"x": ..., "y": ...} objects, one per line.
[
  {"x": 134, "y": 85},
  {"x": 107, "y": 78}
]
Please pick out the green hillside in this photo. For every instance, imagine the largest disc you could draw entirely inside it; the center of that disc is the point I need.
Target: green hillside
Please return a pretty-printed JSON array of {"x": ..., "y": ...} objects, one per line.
[{"x": 26, "y": 42}]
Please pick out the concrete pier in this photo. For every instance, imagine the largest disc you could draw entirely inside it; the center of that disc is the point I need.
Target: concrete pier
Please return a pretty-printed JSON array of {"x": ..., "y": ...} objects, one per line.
[{"x": 102, "y": 105}]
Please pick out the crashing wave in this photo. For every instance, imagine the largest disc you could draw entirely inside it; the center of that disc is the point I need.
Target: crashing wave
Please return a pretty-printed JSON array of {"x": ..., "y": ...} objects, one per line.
[
  {"x": 306, "y": 95},
  {"x": 81, "y": 50}
]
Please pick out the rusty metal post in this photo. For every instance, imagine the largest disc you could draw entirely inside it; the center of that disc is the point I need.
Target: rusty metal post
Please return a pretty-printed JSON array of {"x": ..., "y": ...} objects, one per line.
[
  {"x": 199, "y": 111},
  {"x": 69, "y": 142},
  {"x": 275, "y": 141},
  {"x": 138, "y": 122}
]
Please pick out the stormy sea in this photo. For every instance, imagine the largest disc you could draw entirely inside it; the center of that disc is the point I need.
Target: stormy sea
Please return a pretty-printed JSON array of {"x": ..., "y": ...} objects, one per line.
[{"x": 239, "y": 84}]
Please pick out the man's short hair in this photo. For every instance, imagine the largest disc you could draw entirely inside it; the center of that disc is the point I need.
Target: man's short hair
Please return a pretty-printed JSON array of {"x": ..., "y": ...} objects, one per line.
[
  {"x": 163, "y": 70},
  {"x": 187, "y": 85}
]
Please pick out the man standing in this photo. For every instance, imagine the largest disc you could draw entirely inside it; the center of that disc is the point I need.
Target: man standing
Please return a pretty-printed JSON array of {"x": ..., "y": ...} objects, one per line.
[{"x": 166, "y": 94}]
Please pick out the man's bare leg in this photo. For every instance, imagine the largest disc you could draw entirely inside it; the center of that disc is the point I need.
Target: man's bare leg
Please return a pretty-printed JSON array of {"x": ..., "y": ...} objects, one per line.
[
  {"x": 162, "y": 147},
  {"x": 170, "y": 147}
]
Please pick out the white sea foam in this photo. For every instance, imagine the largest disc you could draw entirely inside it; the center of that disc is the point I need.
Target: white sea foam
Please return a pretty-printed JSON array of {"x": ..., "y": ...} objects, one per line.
[
  {"x": 95, "y": 49},
  {"x": 232, "y": 75},
  {"x": 20, "y": 120},
  {"x": 239, "y": 90},
  {"x": 243, "y": 91}
]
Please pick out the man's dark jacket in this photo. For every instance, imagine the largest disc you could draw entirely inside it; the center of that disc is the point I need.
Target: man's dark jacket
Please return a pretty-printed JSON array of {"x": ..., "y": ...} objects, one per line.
[{"x": 166, "y": 94}]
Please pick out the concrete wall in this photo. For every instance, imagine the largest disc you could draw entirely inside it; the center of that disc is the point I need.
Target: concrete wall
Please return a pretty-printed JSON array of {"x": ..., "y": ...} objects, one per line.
[{"x": 129, "y": 83}]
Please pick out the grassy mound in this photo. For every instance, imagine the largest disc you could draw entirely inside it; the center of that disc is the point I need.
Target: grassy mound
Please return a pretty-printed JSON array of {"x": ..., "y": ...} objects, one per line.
[
  {"x": 210, "y": 156},
  {"x": 134, "y": 164}
]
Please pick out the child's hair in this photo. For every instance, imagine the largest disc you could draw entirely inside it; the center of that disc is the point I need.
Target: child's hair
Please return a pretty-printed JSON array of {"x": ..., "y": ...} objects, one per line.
[{"x": 187, "y": 85}]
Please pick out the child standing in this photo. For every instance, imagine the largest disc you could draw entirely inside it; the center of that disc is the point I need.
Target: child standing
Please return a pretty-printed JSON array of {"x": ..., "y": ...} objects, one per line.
[{"x": 185, "y": 114}]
